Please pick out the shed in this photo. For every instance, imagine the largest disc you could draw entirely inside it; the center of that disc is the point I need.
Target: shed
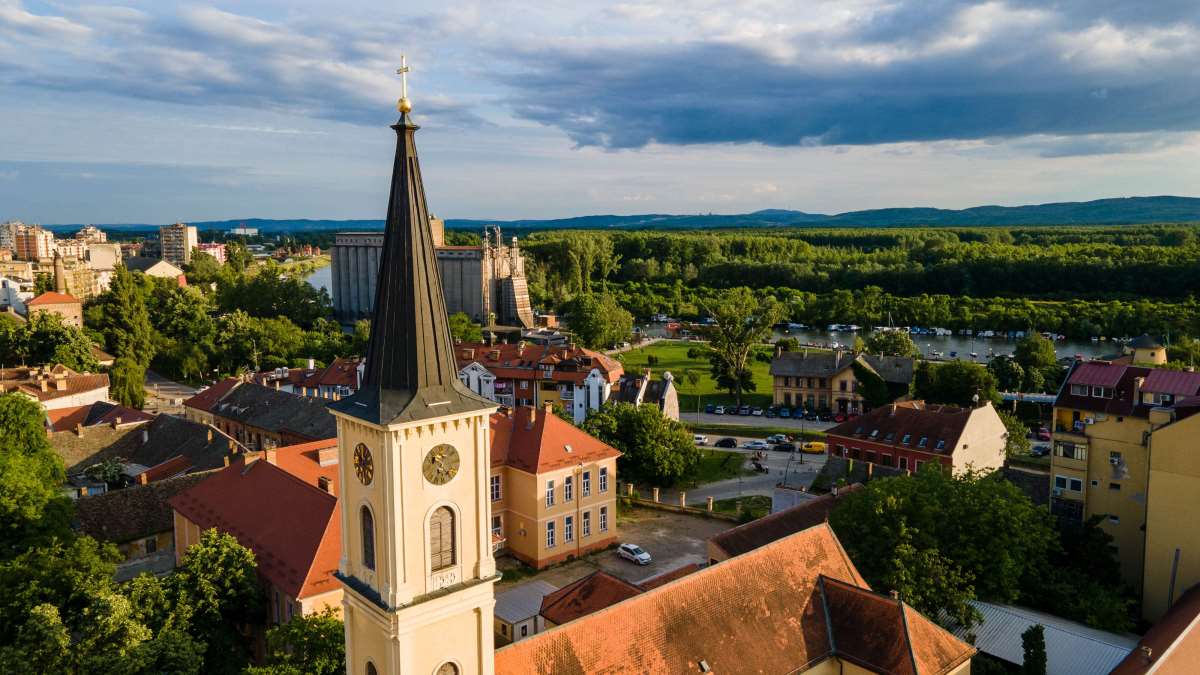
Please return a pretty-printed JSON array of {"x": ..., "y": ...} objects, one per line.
[{"x": 517, "y": 610}]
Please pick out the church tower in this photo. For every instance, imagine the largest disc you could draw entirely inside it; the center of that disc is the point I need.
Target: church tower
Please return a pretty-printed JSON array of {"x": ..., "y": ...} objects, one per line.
[{"x": 413, "y": 445}]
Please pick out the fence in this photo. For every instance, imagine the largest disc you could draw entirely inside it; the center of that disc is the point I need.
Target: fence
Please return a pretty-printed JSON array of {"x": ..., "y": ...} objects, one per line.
[{"x": 632, "y": 497}]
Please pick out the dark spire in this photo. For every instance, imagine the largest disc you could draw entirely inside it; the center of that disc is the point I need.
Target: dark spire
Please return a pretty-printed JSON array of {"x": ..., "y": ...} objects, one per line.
[{"x": 410, "y": 371}]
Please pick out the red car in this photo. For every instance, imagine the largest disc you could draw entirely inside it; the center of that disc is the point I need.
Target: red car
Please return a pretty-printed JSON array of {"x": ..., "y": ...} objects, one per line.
[
  {"x": 839, "y": 418},
  {"x": 1043, "y": 434}
]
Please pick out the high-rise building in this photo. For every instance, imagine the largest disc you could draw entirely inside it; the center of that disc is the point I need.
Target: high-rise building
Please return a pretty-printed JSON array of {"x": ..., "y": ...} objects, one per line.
[
  {"x": 32, "y": 243},
  {"x": 177, "y": 242},
  {"x": 8, "y": 234},
  {"x": 215, "y": 250},
  {"x": 91, "y": 234}
]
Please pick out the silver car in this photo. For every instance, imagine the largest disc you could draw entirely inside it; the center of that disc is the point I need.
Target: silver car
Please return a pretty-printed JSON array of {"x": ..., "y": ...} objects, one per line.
[{"x": 634, "y": 553}]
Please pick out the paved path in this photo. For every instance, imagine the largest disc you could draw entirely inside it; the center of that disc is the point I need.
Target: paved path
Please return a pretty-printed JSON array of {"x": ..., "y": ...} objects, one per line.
[
  {"x": 799, "y": 469},
  {"x": 165, "y": 395}
]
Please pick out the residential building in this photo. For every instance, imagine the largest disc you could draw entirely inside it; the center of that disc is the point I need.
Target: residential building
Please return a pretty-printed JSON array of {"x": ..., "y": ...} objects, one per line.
[
  {"x": 72, "y": 275},
  {"x": 66, "y": 306},
  {"x": 1172, "y": 559},
  {"x": 14, "y": 293},
  {"x": 93, "y": 414},
  {"x": 243, "y": 231},
  {"x": 908, "y": 434},
  {"x": 339, "y": 379},
  {"x": 262, "y": 417},
  {"x": 282, "y": 504},
  {"x": 91, "y": 234},
  {"x": 579, "y": 379},
  {"x": 638, "y": 389},
  {"x": 55, "y": 387},
  {"x": 552, "y": 488},
  {"x": 826, "y": 381},
  {"x": 31, "y": 242},
  {"x": 587, "y": 595},
  {"x": 1171, "y": 646},
  {"x": 762, "y": 531},
  {"x": 102, "y": 260},
  {"x": 71, "y": 248},
  {"x": 139, "y": 520},
  {"x": 487, "y": 282},
  {"x": 177, "y": 242},
  {"x": 8, "y": 234},
  {"x": 217, "y": 251},
  {"x": 1100, "y": 463},
  {"x": 153, "y": 267},
  {"x": 517, "y": 610}
]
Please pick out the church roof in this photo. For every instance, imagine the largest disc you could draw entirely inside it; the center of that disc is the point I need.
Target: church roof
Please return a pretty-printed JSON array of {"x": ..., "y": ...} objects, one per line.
[{"x": 410, "y": 373}]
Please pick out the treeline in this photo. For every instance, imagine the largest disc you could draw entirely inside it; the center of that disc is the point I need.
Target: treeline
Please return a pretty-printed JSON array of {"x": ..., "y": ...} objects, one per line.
[{"x": 1156, "y": 261}]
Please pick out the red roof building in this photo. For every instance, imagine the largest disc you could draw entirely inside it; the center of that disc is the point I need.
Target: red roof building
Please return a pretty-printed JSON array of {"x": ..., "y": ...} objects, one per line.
[
  {"x": 55, "y": 387},
  {"x": 66, "y": 306}
]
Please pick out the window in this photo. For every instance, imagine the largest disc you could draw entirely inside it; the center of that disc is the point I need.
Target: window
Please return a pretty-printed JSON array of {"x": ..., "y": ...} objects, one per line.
[
  {"x": 920, "y": 463},
  {"x": 921, "y": 443},
  {"x": 151, "y": 544},
  {"x": 907, "y": 438},
  {"x": 604, "y": 519},
  {"x": 891, "y": 436},
  {"x": 854, "y": 453},
  {"x": 603, "y": 479},
  {"x": 941, "y": 445},
  {"x": 549, "y": 493},
  {"x": 587, "y": 523},
  {"x": 495, "y": 486},
  {"x": 525, "y": 630},
  {"x": 842, "y": 385},
  {"x": 904, "y": 463},
  {"x": 1071, "y": 451},
  {"x": 587, "y": 483},
  {"x": 875, "y": 433},
  {"x": 278, "y": 608},
  {"x": 887, "y": 460},
  {"x": 1068, "y": 483},
  {"x": 1114, "y": 486},
  {"x": 447, "y": 669},
  {"x": 497, "y": 525},
  {"x": 441, "y": 538},
  {"x": 1114, "y": 457},
  {"x": 568, "y": 488},
  {"x": 371, "y": 669},
  {"x": 1102, "y": 392},
  {"x": 1115, "y": 520},
  {"x": 550, "y": 534},
  {"x": 524, "y": 384},
  {"x": 1079, "y": 390},
  {"x": 568, "y": 529},
  {"x": 839, "y": 451},
  {"x": 368, "y": 538},
  {"x": 871, "y": 456}
]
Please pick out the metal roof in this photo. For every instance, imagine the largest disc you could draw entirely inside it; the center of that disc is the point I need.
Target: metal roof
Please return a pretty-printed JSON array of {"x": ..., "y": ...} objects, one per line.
[
  {"x": 1177, "y": 382},
  {"x": 1071, "y": 648},
  {"x": 1098, "y": 374},
  {"x": 522, "y": 602}
]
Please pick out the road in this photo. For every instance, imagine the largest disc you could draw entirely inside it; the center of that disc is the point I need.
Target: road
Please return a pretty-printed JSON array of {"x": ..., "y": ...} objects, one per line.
[
  {"x": 800, "y": 469},
  {"x": 752, "y": 421},
  {"x": 163, "y": 395}
]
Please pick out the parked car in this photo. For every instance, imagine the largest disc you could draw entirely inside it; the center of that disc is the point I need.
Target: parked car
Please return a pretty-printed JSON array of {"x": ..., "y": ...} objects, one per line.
[
  {"x": 634, "y": 553},
  {"x": 815, "y": 447},
  {"x": 824, "y": 417},
  {"x": 778, "y": 438},
  {"x": 784, "y": 447},
  {"x": 811, "y": 416},
  {"x": 785, "y": 412},
  {"x": 1039, "y": 450},
  {"x": 756, "y": 411},
  {"x": 727, "y": 442},
  {"x": 772, "y": 412},
  {"x": 744, "y": 410},
  {"x": 700, "y": 439},
  {"x": 719, "y": 410},
  {"x": 1043, "y": 434},
  {"x": 710, "y": 408},
  {"x": 839, "y": 418},
  {"x": 756, "y": 445}
]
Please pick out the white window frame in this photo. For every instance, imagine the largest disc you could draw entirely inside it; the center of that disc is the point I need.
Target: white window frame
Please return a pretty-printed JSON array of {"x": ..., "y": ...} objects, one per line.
[
  {"x": 1080, "y": 390},
  {"x": 587, "y": 524},
  {"x": 550, "y": 493},
  {"x": 497, "y": 491},
  {"x": 604, "y": 479},
  {"x": 604, "y": 519},
  {"x": 568, "y": 529},
  {"x": 587, "y": 483},
  {"x": 497, "y": 525},
  {"x": 550, "y": 542},
  {"x": 569, "y": 489}
]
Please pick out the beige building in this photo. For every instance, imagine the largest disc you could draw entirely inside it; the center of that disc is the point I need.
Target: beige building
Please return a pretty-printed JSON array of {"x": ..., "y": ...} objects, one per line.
[
  {"x": 177, "y": 242},
  {"x": 31, "y": 242},
  {"x": 1172, "y": 561},
  {"x": 825, "y": 381},
  {"x": 91, "y": 234},
  {"x": 66, "y": 306}
]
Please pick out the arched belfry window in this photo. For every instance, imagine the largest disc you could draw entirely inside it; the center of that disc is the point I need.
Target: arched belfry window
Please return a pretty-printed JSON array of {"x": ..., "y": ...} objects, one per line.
[
  {"x": 368, "y": 538},
  {"x": 371, "y": 669},
  {"x": 447, "y": 669},
  {"x": 441, "y": 538}
]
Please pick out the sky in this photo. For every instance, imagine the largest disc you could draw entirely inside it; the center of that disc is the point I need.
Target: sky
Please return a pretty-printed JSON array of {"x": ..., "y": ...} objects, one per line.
[{"x": 155, "y": 111}]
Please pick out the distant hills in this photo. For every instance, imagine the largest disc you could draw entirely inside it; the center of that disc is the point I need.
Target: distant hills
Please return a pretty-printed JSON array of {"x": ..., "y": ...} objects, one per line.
[{"x": 1119, "y": 211}]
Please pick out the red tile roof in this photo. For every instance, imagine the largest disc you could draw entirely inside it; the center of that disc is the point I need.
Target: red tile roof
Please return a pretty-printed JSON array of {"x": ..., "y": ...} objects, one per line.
[
  {"x": 535, "y": 441},
  {"x": 1098, "y": 373},
  {"x": 1173, "y": 642},
  {"x": 668, "y": 577},
  {"x": 514, "y": 361},
  {"x": 760, "y": 532},
  {"x": 53, "y": 298},
  {"x": 175, "y": 466},
  {"x": 28, "y": 381},
  {"x": 590, "y": 594},
  {"x": 1176, "y": 382},
  {"x": 205, "y": 400},
  {"x": 343, "y": 372},
  {"x": 100, "y": 412},
  {"x": 293, "y": 526},
  {"x": 889, "y": 425}
]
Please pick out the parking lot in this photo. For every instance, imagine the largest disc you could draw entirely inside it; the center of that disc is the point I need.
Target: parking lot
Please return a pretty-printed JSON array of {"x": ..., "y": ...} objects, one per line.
[{"x": 672, "y": 539}]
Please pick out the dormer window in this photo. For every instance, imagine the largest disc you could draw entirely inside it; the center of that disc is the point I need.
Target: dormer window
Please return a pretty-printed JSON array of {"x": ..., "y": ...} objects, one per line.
[
  {"x": 941, "y": 445},
  {"x": 921, "y": 443},
  {"x": 1102, "y": 392},
  {"x": 907, "y": 439},
  {"x": 891, "y": 436},
  {"x": 1079, "y": 390},
  {"x": 858, "y": 431},
  {"x": 875, "y": 433}
]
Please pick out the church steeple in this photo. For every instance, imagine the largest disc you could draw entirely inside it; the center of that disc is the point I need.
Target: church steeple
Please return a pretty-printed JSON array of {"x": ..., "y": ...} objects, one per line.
[{"x": 410, "y": 371}]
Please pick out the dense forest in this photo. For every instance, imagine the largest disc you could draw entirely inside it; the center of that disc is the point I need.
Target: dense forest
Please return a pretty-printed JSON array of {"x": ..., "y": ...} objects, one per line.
[{"x": 1079, "y": 281}]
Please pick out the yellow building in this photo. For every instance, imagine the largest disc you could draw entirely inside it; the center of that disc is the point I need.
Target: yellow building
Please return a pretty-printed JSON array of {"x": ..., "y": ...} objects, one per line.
[
  {"x": 1100, "y": 465},
  {"x": 1172, "y": 564},
  {"x": 825, "y": 381}
]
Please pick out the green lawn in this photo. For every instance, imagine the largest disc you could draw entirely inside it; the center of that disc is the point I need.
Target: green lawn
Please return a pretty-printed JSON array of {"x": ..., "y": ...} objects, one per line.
[
  {"x": 672, "y": 356},
  {"x": 757, "y": 505},
  {"x": 717, "y": 465}
]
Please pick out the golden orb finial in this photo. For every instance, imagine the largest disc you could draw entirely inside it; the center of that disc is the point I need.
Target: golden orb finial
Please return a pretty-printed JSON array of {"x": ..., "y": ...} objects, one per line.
[{"x": 403, "y": 105}]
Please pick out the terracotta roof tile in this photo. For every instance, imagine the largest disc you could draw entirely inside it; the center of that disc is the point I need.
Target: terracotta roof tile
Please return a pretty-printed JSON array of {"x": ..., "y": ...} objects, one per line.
[
  {"x": 540, "y": 441},
  {"x": 134, "y": 512},
  {"x": 1174, "y": 642},
  {"x": 890, "y": 424},
  {"x": 667, "y": 577},
  {"x": 205, "y": 400},
  {"x": 53, "y": 298},
  {"x": 757, "y": 533},
  {"x": 585, "y": 596}
]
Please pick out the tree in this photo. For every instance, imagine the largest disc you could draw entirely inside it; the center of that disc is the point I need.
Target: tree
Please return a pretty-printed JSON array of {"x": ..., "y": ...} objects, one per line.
[
  {"x": 891, "y": 343},
  {"x": 788, "y": 344},
  {"x": 1016, "y": 437},
  {"x": 597, "y": 320},
  {"x": 45, "y": 339},
  {"x": 657, "y": 450},
  {"x": 740, "y": 321},
  {"x": 954, "y": 382},
  {"x": 31, "y": 502},
  {"x": 1033, "y": 642},
  {"x": 128, "y": 382},
  {"x": 871, "y": 386},
  {"x": 237, "y": 256},
  {"x": 463, "y": 329},
  {"x": 1034, "y": 352},
  {"x": 313, "y": 644},
  {"x": 124, "y": 319},
  {"x": 1010, "y": 375},
  {"x": 43, "y": 282},
  {"x": 203, "y": 270}
]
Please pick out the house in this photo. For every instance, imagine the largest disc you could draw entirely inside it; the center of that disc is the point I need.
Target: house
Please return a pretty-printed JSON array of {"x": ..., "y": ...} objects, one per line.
[
  {"x": 340, "y": 378},
  {"x": 588, "y": 595},
  {"x": 66, "y": 306},
  {"x": 578, "y": 379},
  {"x": 1104, "y": 416},
  {"x": 262, "y": 417},
  {"x": 55, "y": 387},
  {"x": 825, "y": 381},
  {"x": 758, "y": 533},
  {"x": 638, "y": 389},
  {"x": 908, "y": 434},
  {"x": 795, "y": 605},
  {"x": 15, "y": 292},
  {"x": 1171, "y": 646},
  {"x": 154, "y": 267},
  {"x": 517, "y": 611},
  {"x": 92, "y": 414},
  {"x": 552, "y": 488},
  {"x": 1071, "y": 648},
  {"x": 282, "y": 504},
  {"x": 139, "y": 521},
  {"x": 199, "y": 407}
]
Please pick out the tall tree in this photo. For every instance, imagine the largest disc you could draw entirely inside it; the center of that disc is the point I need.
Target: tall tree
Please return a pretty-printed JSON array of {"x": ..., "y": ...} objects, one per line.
[
  {"x": 1034, "y": 352},
  {"x": 657, "y": 450},
  {"x": 44, "y": 340},
  {"x": 128, "y": 382},
  {"x": 313, "y": 644},
  {"x": 597, "y": 320},
  {"x": 954, "y": 382},
  {"x": 1010, "y": 375},
  {"x": 1033, "y": 643},
  {"x": 124, "y": 318},
  {"x": 462, "y": 328},
  {"x": 741, "y": 320},
  {"x": 31, "y": 503},
  {"x": 1016, "y": 438},
  {"x": 891, "y": 343}
]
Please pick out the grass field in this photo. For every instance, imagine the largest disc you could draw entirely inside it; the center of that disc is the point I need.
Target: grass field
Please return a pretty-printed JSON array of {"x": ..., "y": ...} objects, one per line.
[
  {"x": 672, "y": 356},
  {"x": 717, "y": 465},
  {"x": 757, "y": 505}
]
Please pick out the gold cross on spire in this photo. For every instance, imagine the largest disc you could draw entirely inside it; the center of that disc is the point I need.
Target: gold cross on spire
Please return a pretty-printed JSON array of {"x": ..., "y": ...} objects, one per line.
[{"x": 404, "y": 104}]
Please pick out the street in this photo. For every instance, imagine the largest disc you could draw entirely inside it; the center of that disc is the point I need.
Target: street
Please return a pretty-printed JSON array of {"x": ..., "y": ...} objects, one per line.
[
  {"x": 753, "y": 421},
  {"x": 163, "y": 395},
  {"x": 800, "y": 469}
]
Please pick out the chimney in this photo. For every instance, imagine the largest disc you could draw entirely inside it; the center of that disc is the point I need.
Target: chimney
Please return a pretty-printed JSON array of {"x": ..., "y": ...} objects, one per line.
[
  {"x": 42, "y": 384},
  {"x": 1147, "y": 653},
  {"x": 325, "y": 484},
  {"x": 60, "y": 384},
  {"x": 227, "y": 460},
  {"x": 145, "y": 436},
  {"x": 312, "y": 363},
  {"x": 79, "y": 428},
  {"x": 269, "y": 455},
  {"x": 210, "y": 434},
  {"x": 893, "y": 411},
  {"x": 532, "y": 417},
  {"x": 142, "y": 479},
  {"x": 1137, "y": 389},
  {"x": 327, "y": 456},
  {"x": 894, "y": 594},
  {"x": 117, "y": 422}
]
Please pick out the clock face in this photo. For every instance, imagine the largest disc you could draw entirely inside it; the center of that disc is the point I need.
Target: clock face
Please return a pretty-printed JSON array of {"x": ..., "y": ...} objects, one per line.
[
  {"x": 441, "y": 464},
  {"x": 364, "y": 467}
]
